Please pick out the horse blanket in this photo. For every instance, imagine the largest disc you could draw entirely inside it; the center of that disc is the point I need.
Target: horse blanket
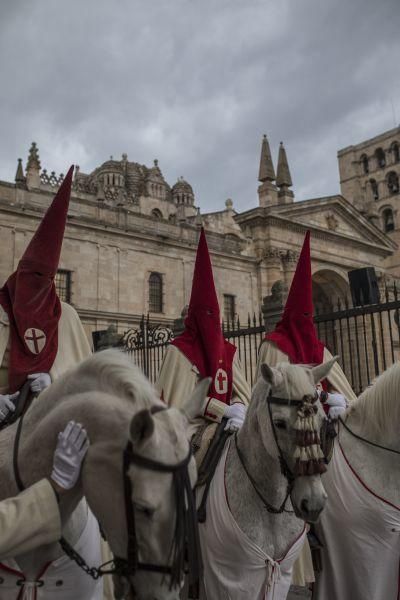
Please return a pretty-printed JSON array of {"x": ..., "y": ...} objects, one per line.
[
  {"x": 62, "y": 578},
  {"x": 360, "y": 531},
  {"x": 235, "y": 568}
]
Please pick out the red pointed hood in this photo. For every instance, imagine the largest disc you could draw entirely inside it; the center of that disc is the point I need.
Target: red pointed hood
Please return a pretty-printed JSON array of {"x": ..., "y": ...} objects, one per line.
[
  {"x": 202, "y": 342},
  {"x": 29, "y": 296},
  {"x": 295, "y": 334}
]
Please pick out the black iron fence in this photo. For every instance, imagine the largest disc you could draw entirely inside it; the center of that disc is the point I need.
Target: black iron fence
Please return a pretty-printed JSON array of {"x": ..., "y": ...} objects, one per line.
[
  {"x": 146, "y": 345},
  {"x": 366, "y": 338},
  {"x": 247, "y": 337}
]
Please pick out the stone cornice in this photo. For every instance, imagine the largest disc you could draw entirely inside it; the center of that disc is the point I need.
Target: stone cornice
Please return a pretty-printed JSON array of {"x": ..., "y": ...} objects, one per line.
[
  {"x": 109, "y": 316},
  {"x": 265, "y": 218},
  {"x": 173, "y": 237}
]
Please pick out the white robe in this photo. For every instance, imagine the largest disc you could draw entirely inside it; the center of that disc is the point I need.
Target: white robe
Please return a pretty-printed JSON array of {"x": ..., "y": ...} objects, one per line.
[
  {"x": 270, "y": 353},
  {"x": 361, "y": 535},
  {"x": 235, "y": 568},
  {"x": 63, "y": 579}
]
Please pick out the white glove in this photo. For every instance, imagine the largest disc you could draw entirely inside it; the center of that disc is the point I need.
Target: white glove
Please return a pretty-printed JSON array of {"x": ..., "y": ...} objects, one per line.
[
  {"x": 235, "y": 413},
  {"x": 7, "y": 405},
  {"x": 337, "y": 405},
  {"x": 72, "y": 446},
  {"x": 40, "y": 381}
]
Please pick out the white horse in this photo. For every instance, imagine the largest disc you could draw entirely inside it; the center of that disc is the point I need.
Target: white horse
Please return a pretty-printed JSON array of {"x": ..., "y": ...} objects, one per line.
[
  {"x": 116, "y": 404},
  {"x": 257, "y": 503},
  {"x": 360, "y": 527}
]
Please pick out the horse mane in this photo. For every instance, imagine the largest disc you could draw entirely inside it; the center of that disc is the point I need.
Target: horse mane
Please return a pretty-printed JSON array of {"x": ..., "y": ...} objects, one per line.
[
  {"x": 109, "y": 371},
  {"x": 378, "y": 406}
]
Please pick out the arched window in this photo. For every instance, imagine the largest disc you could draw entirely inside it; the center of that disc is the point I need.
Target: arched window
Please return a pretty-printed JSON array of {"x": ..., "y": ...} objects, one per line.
[
  {"x": 395, "y": 148},
  {"x": 388, "y": 221},
  {"x": 380, "y": 158},
  {"x": 364, "y": 162},
  {"x": 393, "y": 182},
  {"x": 157, "y": 214},
  {"x": 155, "y": 293},
  {"x": 374, "y": 188}
]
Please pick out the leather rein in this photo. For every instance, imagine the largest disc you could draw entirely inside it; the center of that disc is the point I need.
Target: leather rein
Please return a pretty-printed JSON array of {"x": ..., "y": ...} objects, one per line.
[
  {"x": 185, "y": 547},
  {"x": 284, "y": 467}
]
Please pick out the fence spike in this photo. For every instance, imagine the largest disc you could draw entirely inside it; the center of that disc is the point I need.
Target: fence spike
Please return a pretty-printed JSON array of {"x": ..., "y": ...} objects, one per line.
[
  {"x": 346, "y": 302},
  {"x": 248, "y": 320}
]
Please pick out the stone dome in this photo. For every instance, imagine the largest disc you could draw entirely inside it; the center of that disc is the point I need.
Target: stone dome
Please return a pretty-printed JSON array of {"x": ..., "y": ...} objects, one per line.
[{"x": 182, "y": 192}]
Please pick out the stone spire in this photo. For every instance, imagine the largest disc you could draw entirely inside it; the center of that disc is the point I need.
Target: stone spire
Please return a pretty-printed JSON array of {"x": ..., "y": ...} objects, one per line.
[
  {"x": 19, "y": 175},
  {"x": 266, "y": 171},
  {"x": 267, "y": 191},
  {"x": 33, "y": 158},
  {"x": 283, "y": 179},
  {"x": 33, "y": 167}
]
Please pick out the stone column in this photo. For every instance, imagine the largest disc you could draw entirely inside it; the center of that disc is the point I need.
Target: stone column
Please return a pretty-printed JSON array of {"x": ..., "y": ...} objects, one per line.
[
  {"x": 273, "y": 264},
  {"x": 289, "y": 261},
  {"x": 178, "y": 326},
  {"x": 273, "y": 305}
]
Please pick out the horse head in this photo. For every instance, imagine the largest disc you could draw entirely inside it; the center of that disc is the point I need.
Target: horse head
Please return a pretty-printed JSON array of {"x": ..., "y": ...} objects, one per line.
[{"x": 290, "y": 416}]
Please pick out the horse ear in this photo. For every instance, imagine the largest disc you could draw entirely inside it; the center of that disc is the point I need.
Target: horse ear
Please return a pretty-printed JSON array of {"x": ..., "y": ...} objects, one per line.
[
  {"x": 321, "y": 371},
  {"x": 271, "y": 375},
  {"x": 141, "y": 427},
  {"x": 192, "y": 406}
]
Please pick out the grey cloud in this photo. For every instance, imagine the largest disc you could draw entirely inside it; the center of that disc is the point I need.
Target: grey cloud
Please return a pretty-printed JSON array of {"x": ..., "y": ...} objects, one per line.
[{"x": 195, "y": 84}]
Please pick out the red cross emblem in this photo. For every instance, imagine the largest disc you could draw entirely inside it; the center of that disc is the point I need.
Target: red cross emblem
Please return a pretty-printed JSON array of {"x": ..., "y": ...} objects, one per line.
[
  {"x": 35, "y": 339},
  {"x": 221, "y": 381}
]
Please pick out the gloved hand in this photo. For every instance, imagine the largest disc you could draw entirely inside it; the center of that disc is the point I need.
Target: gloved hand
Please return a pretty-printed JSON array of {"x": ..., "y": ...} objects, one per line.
[
  {"x": 72, "y": 446},
  {"x": 40, "y": 381},
  {"x": 235, "y": 413},
  {"x": 7, "y": 405},
  {"x": 337, "y": 405}
]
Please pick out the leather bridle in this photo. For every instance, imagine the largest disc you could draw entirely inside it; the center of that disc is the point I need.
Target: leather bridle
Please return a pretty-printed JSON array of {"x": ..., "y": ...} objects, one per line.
[
  {"x": 286, "y": 471},
  {"x": 185, "y": 551}
]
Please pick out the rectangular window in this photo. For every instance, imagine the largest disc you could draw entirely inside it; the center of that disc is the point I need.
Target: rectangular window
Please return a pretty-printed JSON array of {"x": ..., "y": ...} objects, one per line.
[
  {"x": 63, "y": 285},
  {"x": 229, "y": 308},
  {"x": 155, "y": 293}
]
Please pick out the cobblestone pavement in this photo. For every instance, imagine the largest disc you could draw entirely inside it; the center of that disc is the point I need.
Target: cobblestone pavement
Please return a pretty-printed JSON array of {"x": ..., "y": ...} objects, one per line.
[{"x": 299, "y": 593}]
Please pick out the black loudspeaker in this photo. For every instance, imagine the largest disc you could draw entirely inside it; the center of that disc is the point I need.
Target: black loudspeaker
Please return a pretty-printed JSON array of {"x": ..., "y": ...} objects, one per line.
[{"x": 363, "y": 286}]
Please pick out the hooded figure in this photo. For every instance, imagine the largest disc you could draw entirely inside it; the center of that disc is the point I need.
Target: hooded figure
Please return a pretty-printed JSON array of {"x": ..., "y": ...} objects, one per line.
[
  {"x": 39, "y": 335},
  {"x": 202, "y": 351},
  {"x": 295, "y": 337},
  {"x": 41, "y": 338},
  {"x": 295, "y": 340}
]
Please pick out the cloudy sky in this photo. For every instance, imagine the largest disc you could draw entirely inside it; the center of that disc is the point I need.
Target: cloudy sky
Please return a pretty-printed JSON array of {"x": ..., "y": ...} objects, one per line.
[{"x": 195, "y": 83}]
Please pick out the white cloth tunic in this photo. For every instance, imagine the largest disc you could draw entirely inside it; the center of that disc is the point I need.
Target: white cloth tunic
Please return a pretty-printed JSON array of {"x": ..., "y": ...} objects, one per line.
[
  {"x": 361, "y": 535},
  {"x": 235, "y": 568},
  {"x": 62, "y": 579}
]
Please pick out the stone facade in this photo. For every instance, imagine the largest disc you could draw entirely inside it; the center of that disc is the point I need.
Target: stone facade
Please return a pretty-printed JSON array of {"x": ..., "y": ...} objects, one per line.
[
  {"x": 369, "y": 179},
  {"x": 126, "y": 222}
]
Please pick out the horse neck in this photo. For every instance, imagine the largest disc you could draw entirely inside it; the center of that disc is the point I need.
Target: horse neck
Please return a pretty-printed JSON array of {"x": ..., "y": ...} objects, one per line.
[{"x": 257, "y": 445}]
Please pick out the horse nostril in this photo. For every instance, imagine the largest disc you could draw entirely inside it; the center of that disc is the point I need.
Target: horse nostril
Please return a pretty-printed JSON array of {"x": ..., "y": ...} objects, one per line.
[{"x": 304, "y": 506}]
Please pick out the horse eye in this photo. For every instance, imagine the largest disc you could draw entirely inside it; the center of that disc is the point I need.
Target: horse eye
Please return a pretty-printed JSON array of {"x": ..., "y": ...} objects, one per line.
[
  {"x": 280, "y": 424},
  {"x": 145, "y": 510}
]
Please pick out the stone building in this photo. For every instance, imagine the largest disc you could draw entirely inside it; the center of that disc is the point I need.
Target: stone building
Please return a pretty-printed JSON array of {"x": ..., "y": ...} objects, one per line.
[
  {"x": 369, "y": 179},
  {"x": 131, "y": 238}
]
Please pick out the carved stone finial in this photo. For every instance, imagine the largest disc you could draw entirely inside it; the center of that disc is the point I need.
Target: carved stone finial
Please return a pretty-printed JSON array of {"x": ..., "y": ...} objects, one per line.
[
  {"x": 178, "y": 326},
  {"x": 229, "y": 203},
  {"x": 33, "y": 163},
  {"x": 156, "y": 162},
  {"x": 124, "y": 157}
]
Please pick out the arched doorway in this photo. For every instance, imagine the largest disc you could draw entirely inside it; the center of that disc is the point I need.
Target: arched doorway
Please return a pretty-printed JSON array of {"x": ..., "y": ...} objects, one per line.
[{"x": 328, "y": 287}]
